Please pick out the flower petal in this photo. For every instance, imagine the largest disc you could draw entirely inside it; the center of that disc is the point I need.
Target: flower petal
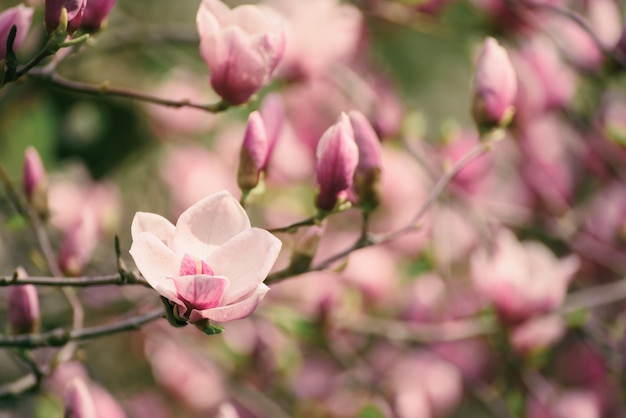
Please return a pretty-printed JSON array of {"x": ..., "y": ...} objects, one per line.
[
  {"x": 201, "y": 291},
  {"x": 154, "y": 224},
  {"x": 209, "y": 223},
  {"x": 232, "y": 312},
  {"x": 155, "y": 261},
  {"x": 245, "y": 260}
]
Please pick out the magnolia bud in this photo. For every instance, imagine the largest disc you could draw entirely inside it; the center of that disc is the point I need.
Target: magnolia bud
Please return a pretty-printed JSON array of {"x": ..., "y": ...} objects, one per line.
[
  {"x": 305, "y": 246},
  {"x": 19, "y": 16},
  {"x": 78, "y": 244},
  {"x": 367, "y": 175},
  {"x": 24, "y": 317},
  {"x": 53, "y": 15},
  {"x": 337, "y": 158},
  {"x": 495, "y": 88},
  {"x": 253, "y": 153},
  {"x": 35, "y": 182},
  {"x": 78, "y": 401},
  {"x": 96, "y": 11}
]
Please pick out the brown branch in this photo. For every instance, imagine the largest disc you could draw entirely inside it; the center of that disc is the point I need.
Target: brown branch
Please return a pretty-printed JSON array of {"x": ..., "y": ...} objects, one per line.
[
  {"x": 105, "y": 90},
  {"x": 85, "y": 281}
]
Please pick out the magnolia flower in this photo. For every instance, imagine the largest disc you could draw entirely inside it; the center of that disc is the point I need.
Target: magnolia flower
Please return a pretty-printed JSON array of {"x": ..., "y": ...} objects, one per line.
[
  {"x": 337, "y": 159},
  {"x": 211, "y": 264},
  {"x": 241, "y": 47},
  {"x": 496, "y": 85},
  {"x": 522, "y": 279}
]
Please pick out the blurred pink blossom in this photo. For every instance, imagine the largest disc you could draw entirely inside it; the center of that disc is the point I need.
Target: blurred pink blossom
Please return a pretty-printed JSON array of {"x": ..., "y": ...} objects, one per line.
[
  {"x": 23, "y": 307},
  {"x": 182, "y": 372},
  {"x": 211, "y": 264},
  {"x": 522, "y": 279},
  {"x": 20, "y": 16},
  {"x": 78, "y": 401},
  {"x": 496, "y": 85},
  {"x": 254, "y": 152},
  {"x": 553, "y": 403},
  {"x": 241, "y": 47},
  {"x": 96, "y": 13},
  {"x": 537, "y": 333},
  {"x": 311, "y": 52},
  {"x": 440, "y": 384}
]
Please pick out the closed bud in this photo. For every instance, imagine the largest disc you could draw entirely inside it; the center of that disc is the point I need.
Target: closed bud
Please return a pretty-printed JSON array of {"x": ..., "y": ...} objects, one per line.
[
  {"x": 69, "y": 21},
  {"x": 337, "y": 158},
  {"x": 96, "y": 12},
  {"x": 19, "y": 16},
  {"x": 367, "y": 174},
  {"x": 78, "y": 244},
  {"x": 24, "y": 316},
  {"x": 35, "y": 182},
  {"x": 253, "y": 155},
  {"x": 495, "y": 87},
  {"x": 305, "y": 247},
  {"x": 79, "y": 402}
]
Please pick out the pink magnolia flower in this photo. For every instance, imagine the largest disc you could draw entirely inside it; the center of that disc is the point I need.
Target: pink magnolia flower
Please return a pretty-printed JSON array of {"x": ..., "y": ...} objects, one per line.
[
  {"x": 241, "y": 47},
  {"x": 23, "y": 303},
  {"x": 337, "y": 158},
  {"x": 211, "y": 264},
  {"x": 20, "y": 16},
  {"x": 496, "y": 85},
  {"x": 521, "y": 279},
  {"x": 78, "y": 401},
  {"x": 254, "y": 152}
]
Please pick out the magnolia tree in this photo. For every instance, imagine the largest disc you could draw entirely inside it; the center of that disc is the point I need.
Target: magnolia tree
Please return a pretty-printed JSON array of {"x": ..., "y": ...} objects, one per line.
[{"x": 313, "y": 208}]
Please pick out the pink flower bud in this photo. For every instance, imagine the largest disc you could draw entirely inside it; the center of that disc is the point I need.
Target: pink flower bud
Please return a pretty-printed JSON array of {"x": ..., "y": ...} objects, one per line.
[
  {"x": 78, "y": 244},
  {"x": 19, "y": 16},
  {"x": 23, "y": 312},
  {"x": 273, "y": 112},
  {"x": 253, "y": 153},
  {"x": 496, "y": 86},
  {"x": 367, "y": 175},
  {"x": 337, "y": 158},
  {"x": 241, "y": 47},
  {"x": 95, "y": 14},
  {"x": 78, "y": 401},
  {"x": 53, "y": 11},
  {"x": 35, "y": 182}
]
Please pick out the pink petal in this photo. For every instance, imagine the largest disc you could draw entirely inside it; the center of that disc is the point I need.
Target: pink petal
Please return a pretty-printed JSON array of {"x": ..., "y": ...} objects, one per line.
[
  {"x": 190, "y": 266},
  {"x": 207, "y": 224},
  {"x": 212, "y": 16},
  {"x": 201, "y": 291},
  {"x": 238, "y": 310},
  {"x": 245, "y": 260},
  {"x": 154, "y": 224},
  {"x": 155, "y": 261}
]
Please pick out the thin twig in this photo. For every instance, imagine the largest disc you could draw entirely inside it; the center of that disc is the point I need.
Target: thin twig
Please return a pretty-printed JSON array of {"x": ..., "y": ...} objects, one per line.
[
  {"x": 85, "y": 281},
  {"x": 294, "y": 226},
  {"x": 61, "y": 336},
  {"x": 105, "y": 90}
]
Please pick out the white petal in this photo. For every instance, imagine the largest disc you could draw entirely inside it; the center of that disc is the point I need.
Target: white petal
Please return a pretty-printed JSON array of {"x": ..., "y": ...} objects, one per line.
[
  {"x": 155, "y": 224},
  {"x": 245, "y": 260},
  {"x": 155, "y": 261},
  {"x": 232, "y": 312},
  {"x": 209, "y": 223}
]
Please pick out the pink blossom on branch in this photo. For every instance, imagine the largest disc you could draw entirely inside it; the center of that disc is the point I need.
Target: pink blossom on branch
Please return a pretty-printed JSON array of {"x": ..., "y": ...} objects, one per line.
[
  {"x": 522, "y": 280},
  {"x": 96, "y": 13},
  {"x": 496, "y": 86},
  {"x": 19, "y": 16},
  {"x": 211, "y": 264},
  {"x": 337, "y": 159},
  {"x": 241, "y": 47}
]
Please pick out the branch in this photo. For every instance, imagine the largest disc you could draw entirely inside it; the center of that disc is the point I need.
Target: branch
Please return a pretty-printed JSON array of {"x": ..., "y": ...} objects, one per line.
[
  {"x": 105, "y": 90},
  {"x": 60, "y": 336},
  {"x": 85, "y": 281},
  {"x": 366, "y": 240}
]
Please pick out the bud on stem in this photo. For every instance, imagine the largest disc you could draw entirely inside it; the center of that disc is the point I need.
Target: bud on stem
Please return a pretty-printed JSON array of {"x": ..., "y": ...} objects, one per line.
[{"x": 24, "y": 315}]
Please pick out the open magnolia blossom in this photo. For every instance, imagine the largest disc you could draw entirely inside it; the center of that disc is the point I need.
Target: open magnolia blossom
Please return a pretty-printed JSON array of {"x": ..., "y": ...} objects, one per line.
[{"x": 211, "y": 264}]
